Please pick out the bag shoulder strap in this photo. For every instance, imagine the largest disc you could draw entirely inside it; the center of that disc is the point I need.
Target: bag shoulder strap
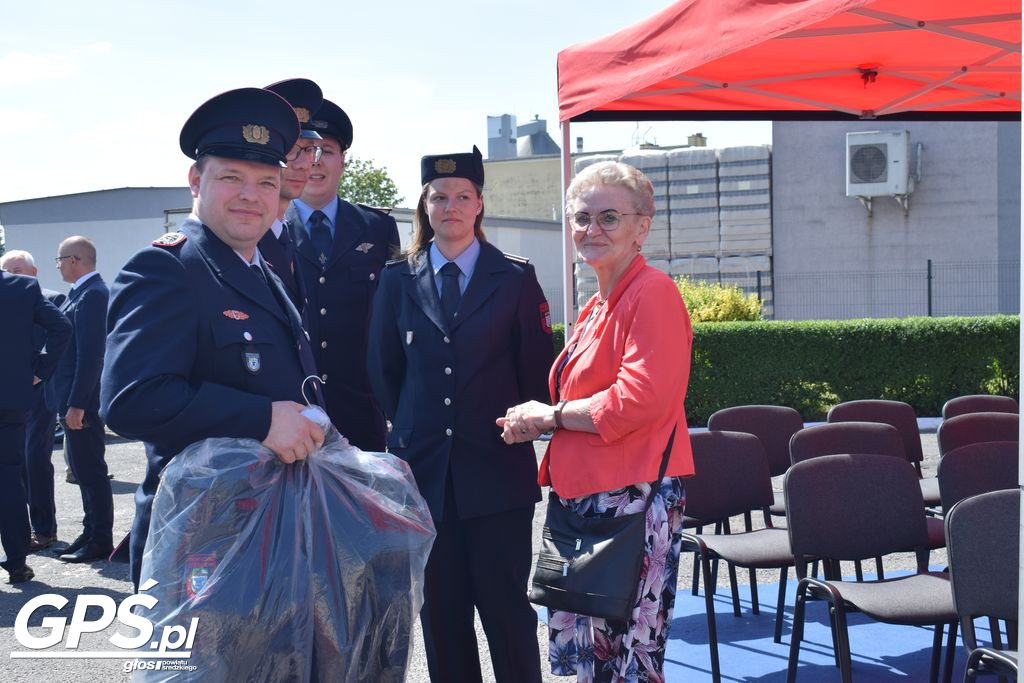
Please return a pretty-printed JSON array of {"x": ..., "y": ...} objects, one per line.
[{"x": 661, "y": 470}]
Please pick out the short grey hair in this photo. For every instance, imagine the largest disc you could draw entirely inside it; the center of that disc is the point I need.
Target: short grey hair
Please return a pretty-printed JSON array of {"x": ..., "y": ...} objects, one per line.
[
  {"x": 17, "y": 254},
  {"x": 613, "y": 173}
]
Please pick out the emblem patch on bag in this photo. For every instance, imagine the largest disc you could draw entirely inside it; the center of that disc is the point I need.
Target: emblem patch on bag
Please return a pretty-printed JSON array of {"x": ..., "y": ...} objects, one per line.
[
  {"x": 198, "y": 569},
  {"x": 252, "y": 362},
  {"x": 545, "y": 317}
]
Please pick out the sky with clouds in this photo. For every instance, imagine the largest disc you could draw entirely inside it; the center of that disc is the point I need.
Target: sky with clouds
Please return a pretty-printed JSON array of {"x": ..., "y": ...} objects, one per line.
[{"x": 93, "y": 95}]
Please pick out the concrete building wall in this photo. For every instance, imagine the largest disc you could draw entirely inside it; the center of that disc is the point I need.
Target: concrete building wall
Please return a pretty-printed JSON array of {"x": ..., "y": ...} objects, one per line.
[
  {"x": 965, "y": 209},
  {"x": 528, "y": 187}
]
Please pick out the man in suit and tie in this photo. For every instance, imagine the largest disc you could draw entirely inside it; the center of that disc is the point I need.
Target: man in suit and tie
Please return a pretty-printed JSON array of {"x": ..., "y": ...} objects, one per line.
[
  {"x": 38, "y": 472},
  {"x": 278, "y": 245},
  {"x": 24, "y": 365},
  {"x": 342, "y": 248},
  {"x": 75, "y": 392},
  {"x": 203, "y": 340}
]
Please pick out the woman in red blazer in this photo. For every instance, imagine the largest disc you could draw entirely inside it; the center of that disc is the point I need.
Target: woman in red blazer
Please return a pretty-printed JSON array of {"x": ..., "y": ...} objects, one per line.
[{"x": 617, "y": 393}]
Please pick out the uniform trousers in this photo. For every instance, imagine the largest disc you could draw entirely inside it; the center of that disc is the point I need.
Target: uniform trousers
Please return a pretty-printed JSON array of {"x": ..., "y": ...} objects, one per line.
[
  {"x": 14, "y": 529},
  {"x": 481, "y": 562},
  {"x": 42, "y": 510},
  {"x": 85, "y": 450}
]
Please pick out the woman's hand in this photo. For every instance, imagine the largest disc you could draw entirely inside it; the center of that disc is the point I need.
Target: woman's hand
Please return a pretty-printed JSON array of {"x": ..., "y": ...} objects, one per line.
[{"x": 526, "y": 422}]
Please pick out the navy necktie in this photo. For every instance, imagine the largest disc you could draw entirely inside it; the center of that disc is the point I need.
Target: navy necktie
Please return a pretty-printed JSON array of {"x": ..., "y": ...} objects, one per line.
[
  {"x": 450, "y": 293},
  {"x": 320, "y": 234},
  {"x": 285, "y": 240},
  {"x": 260, "y": 274}
]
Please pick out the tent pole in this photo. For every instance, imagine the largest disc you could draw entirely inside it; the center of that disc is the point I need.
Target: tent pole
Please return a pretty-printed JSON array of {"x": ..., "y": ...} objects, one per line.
[{"x": 568, "y": 279}]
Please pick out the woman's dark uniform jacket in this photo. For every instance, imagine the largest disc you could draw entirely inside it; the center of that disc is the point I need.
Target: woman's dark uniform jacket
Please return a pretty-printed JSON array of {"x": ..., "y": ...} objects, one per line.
[
  {"x": 197, "y": 347},
  {"x": 443, "y": 388},
  {"x": 340, "y": 301}
]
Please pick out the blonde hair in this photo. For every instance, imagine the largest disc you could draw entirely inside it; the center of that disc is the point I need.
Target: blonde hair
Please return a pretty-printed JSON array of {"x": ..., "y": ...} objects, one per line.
[{"x": 613, "y": 173}]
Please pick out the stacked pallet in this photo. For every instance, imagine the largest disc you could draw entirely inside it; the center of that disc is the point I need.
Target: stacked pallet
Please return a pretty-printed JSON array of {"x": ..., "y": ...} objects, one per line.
[
  {"x": 745, "y": 200},
  {"x": 693, "y": 202},
  {"x": 654, "y": 164}
]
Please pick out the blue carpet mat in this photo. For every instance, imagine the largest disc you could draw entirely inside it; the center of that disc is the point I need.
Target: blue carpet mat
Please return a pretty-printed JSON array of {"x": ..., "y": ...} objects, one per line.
[{"x": 881, "y": 652}]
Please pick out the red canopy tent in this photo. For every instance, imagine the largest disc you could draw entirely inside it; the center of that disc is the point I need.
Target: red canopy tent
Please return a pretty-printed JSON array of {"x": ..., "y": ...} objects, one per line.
[{"x": 793, "y": 60}]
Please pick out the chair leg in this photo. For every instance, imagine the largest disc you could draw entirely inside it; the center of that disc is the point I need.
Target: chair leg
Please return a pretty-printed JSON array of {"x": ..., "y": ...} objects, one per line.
[
  {"x": 997, "y": 638},
  {"x": 783, "y": 575},
  {"x": 950, "y": 652},
  {"x": 753, "y": 592},
  {"x": 858, "y": 571},
  {"x": 709, "y": 607},
  {"x": 734, "y": 585},
  {"x": 933, "y": 670},
  {"x": 696, "y": 566},
  {"x": 879, "y": 568},
  {"x": 843, "y": 640},
  {"x": 799, "y": 605}
]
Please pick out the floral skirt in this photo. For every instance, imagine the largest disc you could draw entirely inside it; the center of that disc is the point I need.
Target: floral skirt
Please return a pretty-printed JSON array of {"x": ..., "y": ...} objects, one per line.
[{"x": 595, "y": 649}]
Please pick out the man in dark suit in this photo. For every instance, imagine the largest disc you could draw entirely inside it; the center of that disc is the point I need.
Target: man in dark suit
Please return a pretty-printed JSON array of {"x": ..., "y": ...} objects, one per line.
[
  {"x": 203, "y": 340},
  {"x": 23, "y": 365},
  {"x": 75, "y": 392},
  {"x": 278, "y": 245},
  {"x": 42, "y": 510},
  {"x": 342, "y": 248}
]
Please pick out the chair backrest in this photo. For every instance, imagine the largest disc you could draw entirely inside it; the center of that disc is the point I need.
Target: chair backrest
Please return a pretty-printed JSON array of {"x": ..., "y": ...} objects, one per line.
[
  {"x": 773, "y": 425},
  {"x": 977, "y": 468},
  {"x": 730, "y": 476},
  {"x": 978, "y": 403},
  {"x": 896, "y": 413},
  {"x": 853, "y": 507},
  {"x": 983, "y": 539},
  {"x": 846, "y": 437},
  {"x": 975, "y": 428}
]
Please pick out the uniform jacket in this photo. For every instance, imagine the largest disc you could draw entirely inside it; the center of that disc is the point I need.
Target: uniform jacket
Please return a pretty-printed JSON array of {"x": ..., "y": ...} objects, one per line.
[
  {"x": 197, "y": 347},
  {"x": 340, "y": 301},
  {"x": 286, "y": 266},
  {"x": 76, "y": 381},
  {"x": 634, "y": 360},
  {"x": 442, "y": 388},
  {"x": 24, "y": 306}
]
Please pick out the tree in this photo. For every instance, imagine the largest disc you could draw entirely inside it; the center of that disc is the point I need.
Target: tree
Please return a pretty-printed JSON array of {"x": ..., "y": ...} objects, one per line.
[{"x": 365, "y": 183}]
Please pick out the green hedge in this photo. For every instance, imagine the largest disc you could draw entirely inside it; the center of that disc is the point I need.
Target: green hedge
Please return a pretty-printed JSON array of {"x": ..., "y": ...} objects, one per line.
[{"x": 813, "y": 365}]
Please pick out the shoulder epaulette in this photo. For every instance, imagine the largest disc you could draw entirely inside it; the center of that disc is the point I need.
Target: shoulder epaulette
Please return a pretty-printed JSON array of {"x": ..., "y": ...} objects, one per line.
[
  {"x": 171, "y": 239},
  {"x": 522, "y": 260},
  {"x": 378, "y": 209},
  {"x": 395, "y": 262}
]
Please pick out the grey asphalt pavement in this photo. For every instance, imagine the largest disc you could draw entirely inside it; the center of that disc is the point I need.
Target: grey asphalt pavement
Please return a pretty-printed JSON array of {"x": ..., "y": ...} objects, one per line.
[{"x": 127, "y": 462}]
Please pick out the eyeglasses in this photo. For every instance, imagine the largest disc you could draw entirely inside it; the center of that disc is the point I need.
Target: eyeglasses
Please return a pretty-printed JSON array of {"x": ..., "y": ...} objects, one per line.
[
  {"x": 316, "y": 150},
  {"x": 58, "y": 259},
  {"x": 607, "y": 220}
]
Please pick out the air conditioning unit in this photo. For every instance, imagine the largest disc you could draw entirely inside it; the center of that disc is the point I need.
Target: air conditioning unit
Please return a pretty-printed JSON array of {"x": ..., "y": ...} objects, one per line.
[{"x": 878, "y": 164}]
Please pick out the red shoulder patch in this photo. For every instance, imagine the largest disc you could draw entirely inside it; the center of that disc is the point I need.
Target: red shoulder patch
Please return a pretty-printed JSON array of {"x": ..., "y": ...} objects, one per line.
[
  {"x": 545, "y": 317},
  {"x": 171, "y": 239}
]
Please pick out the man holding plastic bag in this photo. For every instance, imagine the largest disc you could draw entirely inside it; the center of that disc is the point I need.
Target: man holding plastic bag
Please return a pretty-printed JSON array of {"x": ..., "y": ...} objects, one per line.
[{"x": 207, "y": 363}]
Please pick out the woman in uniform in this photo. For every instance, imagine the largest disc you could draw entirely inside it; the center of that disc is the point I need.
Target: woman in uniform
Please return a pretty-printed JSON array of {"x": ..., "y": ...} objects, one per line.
[{"x": 460, "y": 331}]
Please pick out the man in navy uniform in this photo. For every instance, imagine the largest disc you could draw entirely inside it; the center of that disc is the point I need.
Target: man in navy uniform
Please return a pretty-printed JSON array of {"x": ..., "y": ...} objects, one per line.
[
  {"x": 42, "y": 510},
  {"x": 343, "y": 248},
  {"x": 278, "y": 245},
  {"x": 23, "y": 366},
  {"x": 203, "y": 340},
  {"x": 74, "y": 391}
]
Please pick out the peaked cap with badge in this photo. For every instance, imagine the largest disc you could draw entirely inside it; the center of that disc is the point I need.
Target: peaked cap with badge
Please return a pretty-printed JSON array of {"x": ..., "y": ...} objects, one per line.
[
  {"x": 332, "y": 121},
  {"x": 468, "y": 165},
  {"x": 251, "y": 124},
  {"x": 305, "y": 96}
]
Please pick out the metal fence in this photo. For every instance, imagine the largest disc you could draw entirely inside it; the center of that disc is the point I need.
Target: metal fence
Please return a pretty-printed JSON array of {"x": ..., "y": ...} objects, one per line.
[{"x": 937, "y": 288}]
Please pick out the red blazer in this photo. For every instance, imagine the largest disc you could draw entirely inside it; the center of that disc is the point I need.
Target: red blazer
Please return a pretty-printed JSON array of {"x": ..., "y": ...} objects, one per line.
[{"x": 634, "y": 360}]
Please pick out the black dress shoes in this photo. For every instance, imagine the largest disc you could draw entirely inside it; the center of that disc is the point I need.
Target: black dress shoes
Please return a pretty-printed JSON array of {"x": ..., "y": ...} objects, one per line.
[
  {"x": 20, "y": 575},
  {"x": 76, "y": 545},
  {"x": 88, "y": 553}
]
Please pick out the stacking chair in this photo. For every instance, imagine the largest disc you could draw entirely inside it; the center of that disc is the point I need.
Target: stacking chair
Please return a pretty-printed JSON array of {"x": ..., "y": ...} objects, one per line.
[
  {"x": 859, "y": 437},
  {"x": 983, "y": 534},
  {"x": 979, "y": 403},
  {"x": 773, "y": 425},
  {"x": 715, "y": 492},
  {"x": 882, "y": 513},
  {"x": 901, "y": 416},
  {"x": 974, "y": 428},
  {"x": 977, "y": 468}
]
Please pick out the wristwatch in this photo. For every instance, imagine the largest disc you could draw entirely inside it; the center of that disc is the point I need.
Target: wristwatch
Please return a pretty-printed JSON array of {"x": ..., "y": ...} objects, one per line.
[{"x": 558, "y": 414}]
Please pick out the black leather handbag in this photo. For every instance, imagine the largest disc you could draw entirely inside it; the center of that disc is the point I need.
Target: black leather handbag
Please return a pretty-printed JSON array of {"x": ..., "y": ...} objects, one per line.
[{"x": 591, "y": 566}]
